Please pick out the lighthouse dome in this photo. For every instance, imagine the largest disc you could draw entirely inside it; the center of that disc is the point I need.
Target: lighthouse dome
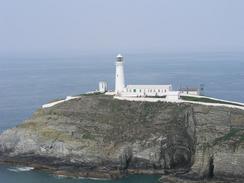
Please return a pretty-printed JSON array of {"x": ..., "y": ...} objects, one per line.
[{"x": 119, "y": 56}]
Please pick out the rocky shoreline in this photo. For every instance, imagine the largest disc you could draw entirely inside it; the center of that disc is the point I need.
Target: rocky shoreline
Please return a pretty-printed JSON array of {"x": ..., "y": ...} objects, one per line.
[
  {"x": 101, "y": 137},
  {"x": 176, "y": 179}
]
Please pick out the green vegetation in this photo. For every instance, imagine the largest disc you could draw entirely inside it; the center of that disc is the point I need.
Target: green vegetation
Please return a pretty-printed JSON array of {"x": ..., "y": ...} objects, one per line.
[
  {"x": 47, "y": 133},
  {"x": 116, "y": 106},
  {"x": 88, "y": 136},
  {"x": 235, "y": 134},
  {"x": 90, "y": 94},
  {"x": 156, "y": 96},
  {"x": 30, "y": 125},
  {"x": 228, "y": 136},
  {"x": 55, "y": 134},
  {"x": 208, "y": 100}
]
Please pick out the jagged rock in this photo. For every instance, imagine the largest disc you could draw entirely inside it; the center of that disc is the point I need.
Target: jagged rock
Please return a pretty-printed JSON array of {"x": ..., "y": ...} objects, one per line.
[{"x": 99, "y": 136}]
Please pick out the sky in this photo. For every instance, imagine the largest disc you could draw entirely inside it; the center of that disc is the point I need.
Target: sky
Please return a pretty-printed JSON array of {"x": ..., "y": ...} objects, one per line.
[{"x": 73, "y": 27}]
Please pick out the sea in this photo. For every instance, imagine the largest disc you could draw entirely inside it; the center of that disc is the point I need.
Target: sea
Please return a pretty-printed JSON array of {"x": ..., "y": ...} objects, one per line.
[{"x": 26, "y": 83}]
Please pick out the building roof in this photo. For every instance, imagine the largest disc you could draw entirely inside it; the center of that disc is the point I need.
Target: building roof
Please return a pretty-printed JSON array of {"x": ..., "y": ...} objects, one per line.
[{"x": 149, "y": 86}]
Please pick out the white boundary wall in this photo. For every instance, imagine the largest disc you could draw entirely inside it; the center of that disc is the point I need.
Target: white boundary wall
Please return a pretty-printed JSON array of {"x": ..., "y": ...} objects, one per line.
[
  {"x": 58, "y": 102},
  {"x": 199, "y": 96},
  {"x": 141, "y": 99}
]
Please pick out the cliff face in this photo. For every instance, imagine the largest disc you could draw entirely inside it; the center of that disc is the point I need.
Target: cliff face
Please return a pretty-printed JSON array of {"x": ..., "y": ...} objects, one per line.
[{"x": 100, "y": 136}]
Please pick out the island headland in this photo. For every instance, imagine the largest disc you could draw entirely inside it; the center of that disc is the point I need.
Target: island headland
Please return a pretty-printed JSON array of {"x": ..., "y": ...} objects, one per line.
[
  {"x": 99, "y": 136},
  {"x": 136, "y": 129}
]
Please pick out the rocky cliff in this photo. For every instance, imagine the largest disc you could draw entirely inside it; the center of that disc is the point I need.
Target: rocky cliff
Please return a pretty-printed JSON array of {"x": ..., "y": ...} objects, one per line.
[{"x": 99, "y": 136}]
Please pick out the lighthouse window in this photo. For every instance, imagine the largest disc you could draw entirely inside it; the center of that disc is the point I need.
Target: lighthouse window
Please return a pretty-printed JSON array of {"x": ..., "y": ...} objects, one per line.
[{"x": 134, "y": 90}]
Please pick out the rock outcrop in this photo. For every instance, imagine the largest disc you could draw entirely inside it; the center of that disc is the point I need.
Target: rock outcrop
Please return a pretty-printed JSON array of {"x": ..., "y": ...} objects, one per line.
[{"x": 99, "y": 136}]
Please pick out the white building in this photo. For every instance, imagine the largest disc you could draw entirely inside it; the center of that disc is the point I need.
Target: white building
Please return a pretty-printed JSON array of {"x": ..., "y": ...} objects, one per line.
[
  {"x": 139, "y": 90},
  {"x": 192, "y": 91},
  {"x": 146, "y": 90},
  {"x": 103, "y": 86}
]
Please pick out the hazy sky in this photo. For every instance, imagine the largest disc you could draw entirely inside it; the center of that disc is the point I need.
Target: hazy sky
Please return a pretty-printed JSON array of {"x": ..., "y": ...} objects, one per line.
[{"x": 72, "y": 27}]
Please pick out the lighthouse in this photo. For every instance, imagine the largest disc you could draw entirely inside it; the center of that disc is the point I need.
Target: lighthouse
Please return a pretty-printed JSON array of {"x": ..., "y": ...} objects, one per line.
[{"x": 119, "y": 75}]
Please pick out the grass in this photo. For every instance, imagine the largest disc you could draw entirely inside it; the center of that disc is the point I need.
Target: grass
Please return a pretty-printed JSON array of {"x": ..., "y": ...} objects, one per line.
[
  {"x": 30, "y": 125},
  {"x": 55, "y": 134},
  {"x": 208, "y": 100},
  {"x": 90, "y": 94},
  {"x": 155, "y": 96}
]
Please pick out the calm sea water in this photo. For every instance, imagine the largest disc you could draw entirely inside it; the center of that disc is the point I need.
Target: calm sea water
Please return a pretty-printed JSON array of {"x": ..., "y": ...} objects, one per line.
[{"x": 26, "y": 84}]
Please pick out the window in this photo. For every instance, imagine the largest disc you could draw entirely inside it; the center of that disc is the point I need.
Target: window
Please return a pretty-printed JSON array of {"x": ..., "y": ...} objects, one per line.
[{"x": 134, "y": 90}]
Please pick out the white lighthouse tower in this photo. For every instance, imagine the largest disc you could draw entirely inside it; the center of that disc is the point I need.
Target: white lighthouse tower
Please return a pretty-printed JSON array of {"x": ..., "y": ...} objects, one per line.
[{"x": 119, "y": 75}]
